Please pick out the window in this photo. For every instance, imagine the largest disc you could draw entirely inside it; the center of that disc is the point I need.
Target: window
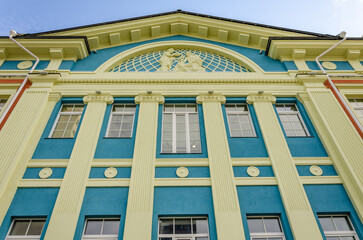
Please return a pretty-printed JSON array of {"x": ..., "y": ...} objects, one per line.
[
  {"x": 337, "y": 228},
  {"x": 195, "y": 228},
  {"x": 180, "y": 132},
  {"x": 101, "y": 229},
  {"x": 2, "y": 103},
  {"x": 121, "y": 121},
  {"x": 67, "y": 121},
  {"x": 291, "y": 120},
  {"x": 357, "y": 104},
  {"x": 239, "y": 121},
  {"x": 265, "y": 228},
  {"x": 25, "y": 229}
]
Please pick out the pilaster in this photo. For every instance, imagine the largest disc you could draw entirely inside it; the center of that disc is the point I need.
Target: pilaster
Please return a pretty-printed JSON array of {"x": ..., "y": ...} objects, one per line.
[
  {"x": 342, "y": 141},
  {"x": 69, "y": 201},
  {"x": 19, "y": 138},
  {"x": 141, "y": 191},
  {"x": 298, "y": 209},
  {"x": 225, "y": 199}
]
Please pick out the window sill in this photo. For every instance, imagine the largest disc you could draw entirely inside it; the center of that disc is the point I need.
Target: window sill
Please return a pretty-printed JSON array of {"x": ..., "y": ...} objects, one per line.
[
  {"x": 117, "y": 137},
  {"x": 58, "y": 138}
]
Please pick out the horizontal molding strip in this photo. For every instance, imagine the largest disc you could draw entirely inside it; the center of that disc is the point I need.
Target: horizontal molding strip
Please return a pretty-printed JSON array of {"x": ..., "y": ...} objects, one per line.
[
  {"x": 313, "y": 161},
  {"x": 251, "y": 162},
  {"x": 29, "y": 183},
  {"x": 255, "y": 181},
  {"x": 48, "y": 163},
  {"x": 168, "y": 182},
  {"x": 112, "y": 162},
  {"x": 178, "y": 162},
  {"x": 115, "y": 182},
  {"x": 321, "y": 180}
]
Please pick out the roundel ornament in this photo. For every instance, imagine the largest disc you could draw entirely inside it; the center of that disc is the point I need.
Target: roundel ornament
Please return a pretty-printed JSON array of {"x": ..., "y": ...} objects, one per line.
[
  {"x": 253, "y": 171},
  {"x": 316, "y": 170},
  {"x": 45, "y": 173},
  {"x": 110, "y": 172},
  {"x": 182, "y": 172},
  {"x": 24, "y": 65}
]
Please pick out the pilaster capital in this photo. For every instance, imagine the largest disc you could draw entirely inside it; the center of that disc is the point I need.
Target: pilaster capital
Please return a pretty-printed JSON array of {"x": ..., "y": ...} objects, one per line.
[
  {"x": 265, "y": 97},
  {"x": 98, "y": 98},
  {"x": 54, "y": 96},
  {"x": 211, "y": 98},
  {"x": 148, "y": 97}
]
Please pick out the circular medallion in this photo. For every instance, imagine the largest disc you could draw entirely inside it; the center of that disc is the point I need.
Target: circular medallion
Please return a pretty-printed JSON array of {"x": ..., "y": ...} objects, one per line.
[
  {"x": 316, "y": 170},
  {"x": 45, "y": 173},
  {"x": 182, "y": 172},
  {"x": 24, "y": 65},
  {"x": 329, "y": 65},
  {"x": 253, "y": 171},
  {"x": 110, "y": 172}
]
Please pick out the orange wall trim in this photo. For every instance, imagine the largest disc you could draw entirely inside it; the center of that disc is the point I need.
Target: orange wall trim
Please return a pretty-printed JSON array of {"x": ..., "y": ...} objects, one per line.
[
  {"x": 27, "y": 85},
  {"x": 327, "y": 84}
]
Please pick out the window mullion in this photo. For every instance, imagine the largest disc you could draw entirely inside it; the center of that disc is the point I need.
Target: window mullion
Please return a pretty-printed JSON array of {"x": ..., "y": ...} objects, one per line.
[
  {"x": 27, "y": 230},
  {"x": 174, "y": 131},
  {"x": 187, "y": 134}
]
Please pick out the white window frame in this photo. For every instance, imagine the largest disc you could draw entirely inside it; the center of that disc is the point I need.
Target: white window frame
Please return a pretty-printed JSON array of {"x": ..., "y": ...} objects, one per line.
[
  {"x": 297, "y": 113},
  {"x": 187, "y": 130},
  {"x": 25, "y": 237},
  {"x": 183, "y": 236},
  {"x": 243, "y": 113},
  {"x": 60, "y": 113},
  {"x": 352, "y": 233},
  {"x": 267, "y": 234},
  {"x": 100, "y": 236},
  {"x": 355, "y": 108},
  {"x": 121, "y": 113}
]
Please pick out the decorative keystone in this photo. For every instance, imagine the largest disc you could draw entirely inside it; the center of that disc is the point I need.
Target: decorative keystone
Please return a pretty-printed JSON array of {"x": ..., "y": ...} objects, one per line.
[
  {"x": 149, "y": 98},
  {"x": 211, "y": 98},
  {"x": 260, "y": 98},
  {"x": 98, "y": 98}
]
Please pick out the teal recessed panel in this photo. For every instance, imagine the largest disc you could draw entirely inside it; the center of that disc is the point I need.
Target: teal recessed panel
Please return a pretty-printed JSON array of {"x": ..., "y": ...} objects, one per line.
[
  {"x": 328, "y": 170},
  {"x": 241, "y": 171},
  {"x": 99, "y": 172},
  {"x": 12, "y": 65},
  {"x": 33, "y": 173},
  {"x": 170, "y": 172}
]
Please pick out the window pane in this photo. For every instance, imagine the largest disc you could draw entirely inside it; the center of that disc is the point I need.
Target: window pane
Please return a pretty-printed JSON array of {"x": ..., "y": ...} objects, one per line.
[
  {"x": 200, "y": 226},
  {"x": 201, "y": 238},
  {"x": 19, "y": 227},
  {"x": 332, "y": 238},
  {"x": 93, "y": 227},
  {"x": 327, "y": 224},
  {"x": 36, "y": 227},
  {"x": 272, "y": 225},
  {"x": 166, "y": 226},
  {"x": 165, "y": 239},
  {"x": 342, "y": 224},
  {"x": 183, "y": 226},
  {"x": 255, "y": 225},
  {"x": 347, "y": 238},
  {"x": 111, "y": 226}
]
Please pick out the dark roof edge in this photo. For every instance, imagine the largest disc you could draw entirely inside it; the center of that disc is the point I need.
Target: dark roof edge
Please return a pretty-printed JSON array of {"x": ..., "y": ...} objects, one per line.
[
  {"x": 270, "y": 39},
  {"x": 188, "y": 13},
  {"x": 36, "y": 36}
]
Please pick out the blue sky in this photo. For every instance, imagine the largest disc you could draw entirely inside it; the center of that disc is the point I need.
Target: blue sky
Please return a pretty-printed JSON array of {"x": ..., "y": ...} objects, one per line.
[{"x": 321, "y": 16}]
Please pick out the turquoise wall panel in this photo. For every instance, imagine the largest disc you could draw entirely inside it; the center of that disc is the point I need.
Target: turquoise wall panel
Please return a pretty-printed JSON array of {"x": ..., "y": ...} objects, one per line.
[
  {"x": 56, "y": 148},
  {"x": 204, "y": 153},
  {"x": 265, "y": 171},
  {"x": 116, "y": 147},
  {"x": 170, "y": 172},
  {"x": 33, "y": 173},
  {"x": 30, "y": 203},
  {"x": 103, "y": 203},
  {"x": 245, "y": 146},
  {"x": 12, "y": 65},
  {"x": 66, "y": 65},
  {"x": 303, "y": 146},
  {"x": 181, "y": 202},
  {"x": 341, "y": 65},
  {"x": 328, "y": 170},
  {"x": 99, "y": 172},
  {"x": 290, "y": 65},
  {"x": 262, "y": 201},
  {"x": 332, "y": 200},
  {"x": 94, "y": 60}
]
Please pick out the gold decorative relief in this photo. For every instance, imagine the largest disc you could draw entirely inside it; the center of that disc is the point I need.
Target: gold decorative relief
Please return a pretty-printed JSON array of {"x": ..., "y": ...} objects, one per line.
[
  {"x": 211, "y": 98},
  {"x": 149, "y": 98},
  {"x": 100, "y": 98},
  {"x": 260, "y": 98}
]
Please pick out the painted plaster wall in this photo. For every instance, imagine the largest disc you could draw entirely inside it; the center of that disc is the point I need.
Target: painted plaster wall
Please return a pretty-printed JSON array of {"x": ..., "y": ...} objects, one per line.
[
  {"x": 262, "y": 201},
  {"x": 57, "y": 148},
  {"x": 30, "y": 203},
  {"x": 103, "y": 203},
  {"x": 332, "y": 200},
  {"x": 183, "y": 201},
  {"x": 116, "y": 147}
]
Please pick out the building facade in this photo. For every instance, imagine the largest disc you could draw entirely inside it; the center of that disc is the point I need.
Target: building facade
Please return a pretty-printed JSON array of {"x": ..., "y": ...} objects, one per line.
[{"x": 181, "y": 126}]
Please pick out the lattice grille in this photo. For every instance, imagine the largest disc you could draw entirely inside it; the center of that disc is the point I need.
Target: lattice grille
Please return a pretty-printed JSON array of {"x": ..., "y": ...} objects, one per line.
[{"x": 150, "y": 62}]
